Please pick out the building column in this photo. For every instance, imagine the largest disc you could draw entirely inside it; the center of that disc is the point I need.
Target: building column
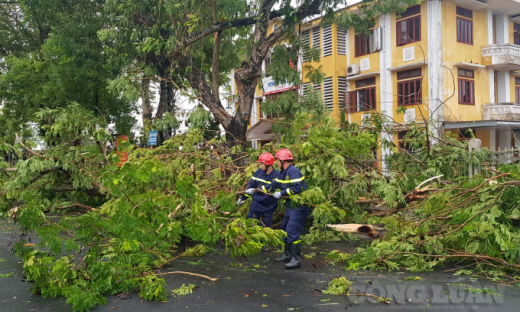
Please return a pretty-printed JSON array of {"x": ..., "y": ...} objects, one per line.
[
  {"x": 502, "y": 27},
  {"x": 504, "y": 137},
  {"x": 435, "y": 68},
  {"x": 387, "y": 99},
  {"x": 491, "y": 72},
  {"x": 504, "y": 91},
  {"x": 492, "y": 140}
]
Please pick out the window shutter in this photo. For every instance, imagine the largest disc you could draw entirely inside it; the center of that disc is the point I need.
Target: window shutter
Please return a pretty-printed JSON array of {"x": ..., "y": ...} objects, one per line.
[
  {"x": 304, "y": 88},
  {"x": 317, "y": 87},
  {"x": 327, "y": 41},
  {"x": 316, "y": 43},
  {"x": 375, "y": 40},
  {"x": 342, "y": 88},
  {"x": 342, "y": 42},
  {"x": 328, "y": 93},
  {"x": 306, "y": 42}
]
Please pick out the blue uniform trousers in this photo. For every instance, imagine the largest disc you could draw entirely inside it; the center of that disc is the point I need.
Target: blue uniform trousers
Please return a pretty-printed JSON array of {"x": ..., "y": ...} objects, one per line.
[
  {"x": 293, "y": 223},
  {"x": 265, "y": 216}
]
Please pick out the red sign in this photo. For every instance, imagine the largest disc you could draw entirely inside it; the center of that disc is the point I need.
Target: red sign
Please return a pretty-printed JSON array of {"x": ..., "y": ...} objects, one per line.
[{"x": 123, "y": 156}]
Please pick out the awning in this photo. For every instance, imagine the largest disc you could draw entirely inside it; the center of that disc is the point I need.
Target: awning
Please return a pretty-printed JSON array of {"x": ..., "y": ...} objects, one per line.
[
  {"x": 482, "y": 124},
  {"x": 260, "y": 131}
]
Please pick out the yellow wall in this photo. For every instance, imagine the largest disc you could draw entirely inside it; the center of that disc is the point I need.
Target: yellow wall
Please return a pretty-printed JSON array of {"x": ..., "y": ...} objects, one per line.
[{"x": 454, "y": 52}]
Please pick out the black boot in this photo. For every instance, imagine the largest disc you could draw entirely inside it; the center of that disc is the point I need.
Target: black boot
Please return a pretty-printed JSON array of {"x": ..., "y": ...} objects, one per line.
[
  {"x": 286, "y": 254},
  {"x": 296, "y": 254}
]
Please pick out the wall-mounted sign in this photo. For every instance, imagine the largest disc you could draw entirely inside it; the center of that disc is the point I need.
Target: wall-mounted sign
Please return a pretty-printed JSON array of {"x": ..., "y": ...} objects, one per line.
[{"x": 269, "y": 86}]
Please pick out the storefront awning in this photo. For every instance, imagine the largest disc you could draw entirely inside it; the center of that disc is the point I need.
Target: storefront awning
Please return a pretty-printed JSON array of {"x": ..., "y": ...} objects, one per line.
[{"x": 260, "y": 131}]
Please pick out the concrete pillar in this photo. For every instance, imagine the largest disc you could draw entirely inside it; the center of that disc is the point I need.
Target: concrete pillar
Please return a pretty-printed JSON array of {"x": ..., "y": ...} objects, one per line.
[
  {"x": 492, "y": 140},
  {"x": 502, "y": 28},
  {"x": 435, "y": 68},
  {"x": 504, "y": 141},
  {"x": 490, "y": 26},
  {"x": 474, "y": 144},
  {"x": 491, "y": 72},
  {"x": 387, "y": 99},
  {"x": 504, "y": 91}
]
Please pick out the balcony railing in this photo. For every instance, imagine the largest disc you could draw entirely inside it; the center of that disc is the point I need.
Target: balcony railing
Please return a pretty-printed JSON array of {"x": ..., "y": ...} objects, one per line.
[
  {"x": 501, "y": 56},
  {"x": 501, "y": 112}
]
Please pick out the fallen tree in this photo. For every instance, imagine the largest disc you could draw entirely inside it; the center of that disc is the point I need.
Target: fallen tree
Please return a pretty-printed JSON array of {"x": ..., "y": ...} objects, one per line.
[{"x": 132, "y": 218}]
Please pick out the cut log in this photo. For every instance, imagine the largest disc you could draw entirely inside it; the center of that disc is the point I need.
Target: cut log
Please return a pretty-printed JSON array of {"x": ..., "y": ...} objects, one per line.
[{"x": 355, "y": 228}]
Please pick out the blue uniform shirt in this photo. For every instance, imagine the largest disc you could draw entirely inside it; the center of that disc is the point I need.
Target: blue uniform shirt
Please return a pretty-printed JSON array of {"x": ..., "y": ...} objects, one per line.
[
  {"x": 291, "y": 182},
  {"x": 261, "y": 201}
]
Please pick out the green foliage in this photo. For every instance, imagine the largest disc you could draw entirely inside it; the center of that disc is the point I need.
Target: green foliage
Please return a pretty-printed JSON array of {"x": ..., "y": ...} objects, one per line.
[
  {"x": 201, "y": 119},
  {"x": 183, "y": 290},
  {"x": 338, "y": 286}
]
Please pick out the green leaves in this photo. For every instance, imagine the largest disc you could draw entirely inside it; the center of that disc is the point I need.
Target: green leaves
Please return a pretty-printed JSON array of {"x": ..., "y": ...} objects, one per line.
[
  {"x": 338, "y": 286},
  {"x": 183, "y": 290}
]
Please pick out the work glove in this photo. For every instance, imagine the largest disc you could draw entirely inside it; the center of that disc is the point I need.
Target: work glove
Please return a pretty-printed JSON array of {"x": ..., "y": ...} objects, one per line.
[
  {"x": 250, "y": 191},
  {"x": 240, "y": 202},
  {"x": 277, "y": 195}
]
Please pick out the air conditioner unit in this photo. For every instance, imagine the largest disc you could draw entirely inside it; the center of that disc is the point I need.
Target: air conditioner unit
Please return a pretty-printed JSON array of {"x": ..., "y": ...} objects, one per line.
[{"x": 352, "y": 69}]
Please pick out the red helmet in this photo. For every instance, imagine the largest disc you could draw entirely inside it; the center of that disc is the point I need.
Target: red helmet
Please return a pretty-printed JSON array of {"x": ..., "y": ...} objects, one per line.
[
  {"x": 266, "y": 158},
  {"x": 283, "y": 154}
]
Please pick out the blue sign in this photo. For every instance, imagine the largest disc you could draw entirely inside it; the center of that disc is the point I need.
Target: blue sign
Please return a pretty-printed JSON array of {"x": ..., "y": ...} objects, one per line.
[{"x": 152, "y": 138}]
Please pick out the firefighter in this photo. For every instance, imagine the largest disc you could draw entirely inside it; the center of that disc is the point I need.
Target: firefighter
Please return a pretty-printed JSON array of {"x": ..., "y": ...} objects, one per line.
[
  {"x": 263, "y": 204},
  {"x": 291, "y": 182}
]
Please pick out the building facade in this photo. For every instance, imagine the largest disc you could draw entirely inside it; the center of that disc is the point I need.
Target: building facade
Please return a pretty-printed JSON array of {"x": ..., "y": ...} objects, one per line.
[{"x": 453, "y": 63}]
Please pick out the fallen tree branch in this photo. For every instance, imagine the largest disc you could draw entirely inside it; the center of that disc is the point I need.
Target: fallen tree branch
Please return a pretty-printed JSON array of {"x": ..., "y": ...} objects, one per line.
[
  {"x": 213, "y": 279},
  {"x": 355, "y": 228}
]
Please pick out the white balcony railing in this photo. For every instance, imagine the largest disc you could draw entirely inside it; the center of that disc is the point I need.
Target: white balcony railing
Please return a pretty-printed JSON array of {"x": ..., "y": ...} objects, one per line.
[
  {"x": 501, "y": 56},
  {"x": 501, "y": 112}
]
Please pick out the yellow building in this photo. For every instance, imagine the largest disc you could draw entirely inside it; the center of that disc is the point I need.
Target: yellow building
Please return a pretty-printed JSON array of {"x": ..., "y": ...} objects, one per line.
[{"x": 451, "y": 62}]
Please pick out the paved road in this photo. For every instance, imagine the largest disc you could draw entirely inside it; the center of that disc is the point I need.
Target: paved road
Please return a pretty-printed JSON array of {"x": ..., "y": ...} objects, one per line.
[{"x": 259, "y": 284}]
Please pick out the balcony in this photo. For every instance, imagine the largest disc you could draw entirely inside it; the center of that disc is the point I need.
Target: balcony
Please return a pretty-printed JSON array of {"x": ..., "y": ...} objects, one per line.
[
  {"x": 501, "y": 112},
  {"x": 504, "y": 56}
]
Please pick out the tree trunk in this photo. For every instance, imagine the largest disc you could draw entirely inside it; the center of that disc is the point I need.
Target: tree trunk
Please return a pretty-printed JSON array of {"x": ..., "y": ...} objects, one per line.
[{"x": 147, "y": 105}]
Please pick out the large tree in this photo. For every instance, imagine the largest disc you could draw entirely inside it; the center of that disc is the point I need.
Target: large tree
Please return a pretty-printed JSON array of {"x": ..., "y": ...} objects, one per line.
[
  {"x": 51, "y": 56},
  {"x": 202, "y": 41}
]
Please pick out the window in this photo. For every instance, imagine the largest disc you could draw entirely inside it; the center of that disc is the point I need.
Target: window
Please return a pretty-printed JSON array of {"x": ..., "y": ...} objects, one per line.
[
  {"x": 342, "y": 88},
  {"x": 403, "y": 141},
  {"x": 408, "y": 27},
  {"x": 409, "y": 91},
  {"x": 363, "y": 99},
  {"x": 362, "y": 45},
  {"x": 306, "y": 43},
  {"x": 328, "y": 93},
  {"x": 464, "y": 26},
  {"x": 316, "y": 41},
  {"x": 327, "y": 40},
  {"x": 342, "y": 41},
  {"x": 517, "y": 90},
  {"x": 516, "y": 32},
  {"x": 366, "y": 44},
  {"x": 466, "y": 86}
]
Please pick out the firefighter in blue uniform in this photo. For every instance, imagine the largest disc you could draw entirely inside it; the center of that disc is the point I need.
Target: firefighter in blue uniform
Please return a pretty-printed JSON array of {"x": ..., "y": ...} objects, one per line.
[
  {"x": 291, "y": 182},
  {"x": 263, "y": 204}
]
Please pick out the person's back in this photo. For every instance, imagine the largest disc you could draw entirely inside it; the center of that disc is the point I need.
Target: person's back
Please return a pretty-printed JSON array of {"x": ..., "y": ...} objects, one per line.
[{"x": 291, "y": 182}]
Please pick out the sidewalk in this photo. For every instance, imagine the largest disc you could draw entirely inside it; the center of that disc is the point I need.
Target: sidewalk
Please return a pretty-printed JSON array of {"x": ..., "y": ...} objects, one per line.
[{"x": 260, "y": 284}]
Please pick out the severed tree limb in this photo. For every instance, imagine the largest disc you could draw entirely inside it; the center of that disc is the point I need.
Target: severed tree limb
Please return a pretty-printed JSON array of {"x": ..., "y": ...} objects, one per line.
[
  {"x": 213, "y": 279},
  {"x": 355, "y": 228},
  {"x": 5, "y": 170},
  {"x": 73, "y": 205}
]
